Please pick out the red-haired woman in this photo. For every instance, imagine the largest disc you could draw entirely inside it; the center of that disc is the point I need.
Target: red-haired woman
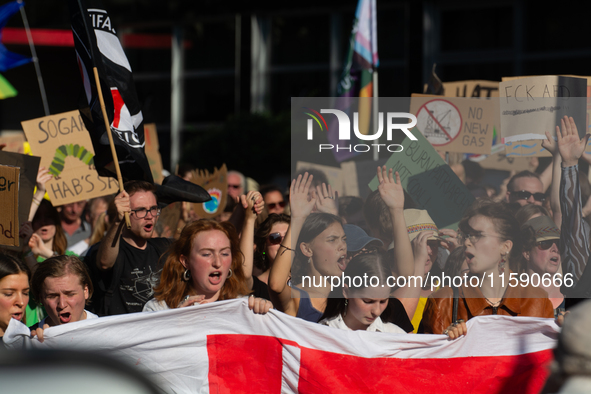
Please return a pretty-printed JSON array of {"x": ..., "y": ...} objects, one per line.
[{"x": 204, "y": 265}]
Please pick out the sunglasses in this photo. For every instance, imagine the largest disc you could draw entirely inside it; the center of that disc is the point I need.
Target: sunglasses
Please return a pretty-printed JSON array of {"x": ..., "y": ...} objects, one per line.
[
  {"x": 274, "y": 204},
  {"x": 545, "y": 245},
  {"x": 275, "y": 238},
  {"x": 234, "y": 186},
  {"x": 525, "y": 195}
]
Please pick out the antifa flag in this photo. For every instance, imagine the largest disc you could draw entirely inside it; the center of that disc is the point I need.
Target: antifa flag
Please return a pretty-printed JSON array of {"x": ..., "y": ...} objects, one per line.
[{"x": 97, "y": 46}]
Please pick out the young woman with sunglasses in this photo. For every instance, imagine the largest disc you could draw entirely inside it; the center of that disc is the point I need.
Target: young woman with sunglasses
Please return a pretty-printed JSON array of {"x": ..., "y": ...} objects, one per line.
[
  {"x": 267, "y": 239},
  {"x": 493, "y": 241}
]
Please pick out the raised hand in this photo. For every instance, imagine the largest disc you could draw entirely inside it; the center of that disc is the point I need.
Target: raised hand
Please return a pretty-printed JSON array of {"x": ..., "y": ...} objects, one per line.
[
  {"x": 327, "y": 200},
  {"x": 43, "y": 176},
  {"x": 391, "y": 190},
  {"x": 550, "y": 144},
  {"x": 123, "y": 205},
  {"x": 570, "y": 146},
  {"x": 420, "y": 252},
  {"x": 301, "y": 207},
  {"x": 253, "y": 204}
]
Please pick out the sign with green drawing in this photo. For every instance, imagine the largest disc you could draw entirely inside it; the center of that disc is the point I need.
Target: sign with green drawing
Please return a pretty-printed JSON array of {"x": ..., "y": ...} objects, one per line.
[
  {"x": 64, "y": 145},
  {"x": 429, "y": 181}
]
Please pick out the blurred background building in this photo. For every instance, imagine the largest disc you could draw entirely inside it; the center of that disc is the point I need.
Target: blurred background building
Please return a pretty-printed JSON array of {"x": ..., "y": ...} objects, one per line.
[{"x": 237, "y": 63}]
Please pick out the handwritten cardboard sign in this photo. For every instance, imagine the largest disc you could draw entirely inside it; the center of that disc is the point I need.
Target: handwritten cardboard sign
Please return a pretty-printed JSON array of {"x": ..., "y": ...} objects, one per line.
[
  {"x": 152, "y": 150},
  {"x": 429, "y": 181},
  {"x": 29, "y": 165},
  {"x": 463, "y": 125},
  {"x": 473, "y": 88},
  {"x": 216, "y": 185},
  {"x": 532, "y": 106},
  {"x": 500, "y": 161},
  {"x": 14, "y": 142},
  {"x": 9, "y": 224},
  {"x": 64, "y": 145}
]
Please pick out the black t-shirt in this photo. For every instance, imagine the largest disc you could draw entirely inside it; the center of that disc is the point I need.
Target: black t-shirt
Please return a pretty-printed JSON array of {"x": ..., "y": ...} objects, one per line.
[
  {"x": 398, "y": 315},
  {"x": 139, "y": 272}
]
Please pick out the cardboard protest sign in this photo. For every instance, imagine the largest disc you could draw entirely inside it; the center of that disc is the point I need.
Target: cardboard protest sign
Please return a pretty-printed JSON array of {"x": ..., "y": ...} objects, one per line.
[
  {"x": 532, "y": 106},
  {"x": 429, "y": 181},
  {"x": 456, "y": 124},
  {"x": 473, "y": 88},
  {"x": 349, "y": 176},
  {"x": 14, "y": 142},
  {"x": 500, "y": 161},
  {"x": 216, "y": 185},
  {"x": 333, "y": 174},
  {"x": 29, "y": 166},
  {"x": 64, "y": 145},
  {"x": 9, "y": 224},
  {"x": 169, "y": 219},
  {"x": 152, "y": 150}
]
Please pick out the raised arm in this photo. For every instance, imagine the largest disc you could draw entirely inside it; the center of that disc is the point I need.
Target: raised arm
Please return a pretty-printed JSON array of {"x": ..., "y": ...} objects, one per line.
[
  {"x": 280, "y": 269},
  {"x": 253, "y": 205},
  {"x": 109, "y": 246},
  {"x": 574, "y": 236},
  {"x": 392, "y": 193},
  {"x": 43, "y": 176},
  {"x": 552, "y": 146}
]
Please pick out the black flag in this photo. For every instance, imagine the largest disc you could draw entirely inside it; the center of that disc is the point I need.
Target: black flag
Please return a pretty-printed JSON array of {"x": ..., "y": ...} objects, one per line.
[{"x": 97, "y": 46}]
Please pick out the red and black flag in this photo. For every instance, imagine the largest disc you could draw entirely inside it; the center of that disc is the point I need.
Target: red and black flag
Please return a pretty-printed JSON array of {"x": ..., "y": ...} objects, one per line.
[{"x": 97, "y": 45}]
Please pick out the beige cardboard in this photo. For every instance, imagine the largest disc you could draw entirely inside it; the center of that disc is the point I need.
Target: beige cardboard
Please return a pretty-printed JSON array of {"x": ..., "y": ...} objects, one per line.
[
  {"x": 333, "y": 174},
  {"x": 9, "y": 225},
  {"x": 469, "y": 123},
  {"x": 152, "y": 150},
  {"x": 500, "y": 161},
  {"x": 169, "y": 219},
  {"x": 471, "y": 88},
  {"x": 350, "y": 184},
  {"x": 216, "y": 185},
  {"x": 14, "y": 142},
  {"x": 78, "y": 179},
  {"x": 532, "y": 106}
]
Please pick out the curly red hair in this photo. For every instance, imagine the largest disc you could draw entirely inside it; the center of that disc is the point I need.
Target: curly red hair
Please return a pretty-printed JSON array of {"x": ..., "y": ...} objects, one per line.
[{"x": 172, "y": 288}]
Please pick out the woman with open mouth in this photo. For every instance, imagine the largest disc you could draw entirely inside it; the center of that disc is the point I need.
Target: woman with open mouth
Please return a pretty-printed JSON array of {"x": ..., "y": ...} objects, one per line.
[
  {"x": 63, "y": 286},
  {"x": 14, "y": 290},
  {"x": 494, "y": 243},
  {"x": 204, "y": 265}
]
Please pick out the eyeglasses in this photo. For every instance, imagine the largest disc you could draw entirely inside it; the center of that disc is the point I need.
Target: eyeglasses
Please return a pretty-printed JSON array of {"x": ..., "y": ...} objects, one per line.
[
  {"x": 545, "y": 245},
  {"x": 474, "y": 237},
  {"x": 234, "y": 186},
  {"x": 275, "y": 238},
  {"x": 274, "y": 204},
  {"x": 141, "y": 213},
  {"x": 525, "y": 195}
]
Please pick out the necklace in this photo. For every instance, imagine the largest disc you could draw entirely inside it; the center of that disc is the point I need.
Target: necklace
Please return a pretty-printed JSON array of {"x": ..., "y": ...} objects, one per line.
[{"x": 493, "y": 304}]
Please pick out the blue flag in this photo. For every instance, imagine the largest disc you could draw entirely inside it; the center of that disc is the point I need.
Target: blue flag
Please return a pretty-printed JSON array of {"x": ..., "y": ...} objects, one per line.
[{"x": 9, "y": 59}]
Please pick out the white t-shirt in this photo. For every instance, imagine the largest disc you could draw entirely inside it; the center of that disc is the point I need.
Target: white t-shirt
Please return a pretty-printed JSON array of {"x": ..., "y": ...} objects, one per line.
[
  {"x": 377, "y": 326},
  {"x": 155, "y": 305},
  {"x": 89, "y": 315}
]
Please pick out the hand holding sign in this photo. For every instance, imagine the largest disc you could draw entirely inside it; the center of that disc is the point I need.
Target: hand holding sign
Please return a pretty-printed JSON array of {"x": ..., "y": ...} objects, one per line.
[{"x": 570, "y": 146}]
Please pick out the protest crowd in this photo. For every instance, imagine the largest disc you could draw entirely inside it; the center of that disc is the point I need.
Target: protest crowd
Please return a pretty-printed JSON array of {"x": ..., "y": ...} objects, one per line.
[{"x": 345, "y": 265}]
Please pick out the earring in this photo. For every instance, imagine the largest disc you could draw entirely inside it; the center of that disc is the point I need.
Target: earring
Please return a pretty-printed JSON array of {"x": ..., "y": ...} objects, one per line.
[
  {"x": 502, "y": 264},
  {"x": 229, "y": 273},
  {"x": 187, "y": 275},
  {"x": 309, "y": 260},
  {"x": 346, "y": 302}
]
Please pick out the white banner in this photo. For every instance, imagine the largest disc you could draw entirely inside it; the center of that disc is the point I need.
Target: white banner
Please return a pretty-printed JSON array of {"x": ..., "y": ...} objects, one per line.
[{"x": 224, "y": 347}]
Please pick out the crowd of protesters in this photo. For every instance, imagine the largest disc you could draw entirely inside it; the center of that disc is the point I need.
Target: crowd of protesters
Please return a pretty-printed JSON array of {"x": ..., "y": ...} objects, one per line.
[{"x": 275, "y": 245}]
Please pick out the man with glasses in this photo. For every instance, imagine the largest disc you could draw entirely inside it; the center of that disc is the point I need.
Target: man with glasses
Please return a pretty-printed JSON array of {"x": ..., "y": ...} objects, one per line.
[
  {"x": 526, "y": 188},
  {"x": 127, "y": 258},
  {"x": 236, "y": 184}
]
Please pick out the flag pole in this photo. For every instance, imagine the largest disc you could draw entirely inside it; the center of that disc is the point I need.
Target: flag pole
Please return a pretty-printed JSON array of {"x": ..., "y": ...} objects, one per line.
[
  {"x": 376, "y": 154},
  {"x": 111, "y": 142},
  {"x": 35, "y": 59}
]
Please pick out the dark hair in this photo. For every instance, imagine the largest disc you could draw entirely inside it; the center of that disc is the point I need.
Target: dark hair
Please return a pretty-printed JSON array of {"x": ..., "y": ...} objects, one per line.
[
  {"x": 56, "y": 267},
  {"x": 46, "y": 209},
  {"x": 350, "y": 205},
  {"x": 314, "y": 225},
  {"x": 132, "y": 187},
  {"x": 319, "y": 176},
  {"x": 370, "y": 264},
  {"x": 184, "y": 168},
  {"x": 453, "y": 264},
  {"x": 265, "y": 189},
  {"x": 377, "y": 215},
  {"x": 527, "y": 211},
  {"x": 522, "y": 174},
  {"x": 172, "y": 288},
  {"x": 260, "y": 239},
  {"x": 505, "y": 224},
  {"x": 473, "y": 170},
  {"x": 10, "y": 265}
]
